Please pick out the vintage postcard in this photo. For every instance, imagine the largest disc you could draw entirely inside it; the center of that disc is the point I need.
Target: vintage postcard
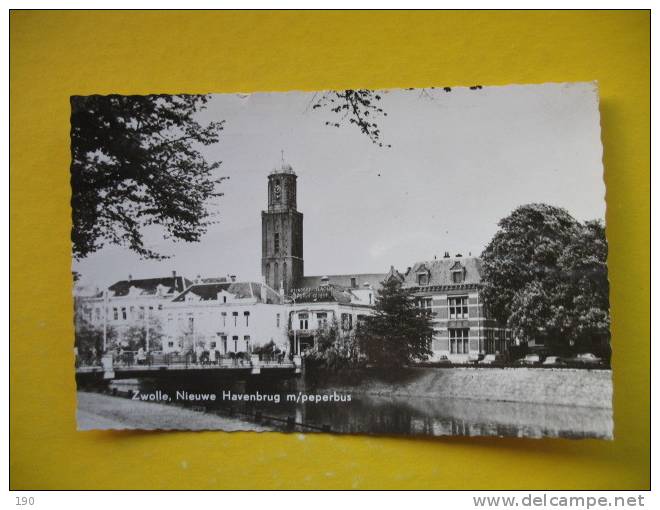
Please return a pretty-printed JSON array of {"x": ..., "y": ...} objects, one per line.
[{"x": 417, "y": 262}]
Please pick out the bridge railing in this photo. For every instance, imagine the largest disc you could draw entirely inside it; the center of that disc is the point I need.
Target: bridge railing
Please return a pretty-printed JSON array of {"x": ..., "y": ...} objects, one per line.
[{"x": 131, "y": 360}]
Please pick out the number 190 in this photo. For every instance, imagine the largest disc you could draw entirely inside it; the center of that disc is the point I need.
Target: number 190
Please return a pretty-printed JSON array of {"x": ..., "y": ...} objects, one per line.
[{"x": 24, "y": 500}]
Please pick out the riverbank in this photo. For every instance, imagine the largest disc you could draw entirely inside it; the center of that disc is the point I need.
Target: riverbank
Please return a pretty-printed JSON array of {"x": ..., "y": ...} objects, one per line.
[
  {"x": 102, "y": 412},
  {"x": 571, "y": 387}
]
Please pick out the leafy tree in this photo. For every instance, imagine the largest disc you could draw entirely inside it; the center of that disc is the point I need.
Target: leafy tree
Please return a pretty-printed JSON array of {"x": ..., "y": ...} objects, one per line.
[
  {"x": 360, "y": 108},
  {"x": 584, "y": 265},
  {"x": 333, "y": 350},
  {"x": 136, "y": 162},
  {"x": 136, "y": 335},
  {"x": 399, "y": 332},
  {"x": 89, "y": 340},
  {"x": 545, "y": 277},
  {"x": 267, "y": 351},
  {"x": 328, "y": 336}
]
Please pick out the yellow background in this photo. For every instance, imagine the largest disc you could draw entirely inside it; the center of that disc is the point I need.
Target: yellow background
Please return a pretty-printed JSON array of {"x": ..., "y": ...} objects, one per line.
[{"x": 57, "y": 54}]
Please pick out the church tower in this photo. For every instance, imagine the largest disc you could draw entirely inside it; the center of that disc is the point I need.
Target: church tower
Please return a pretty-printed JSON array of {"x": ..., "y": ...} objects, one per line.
[{"x": 282, "y": 232}]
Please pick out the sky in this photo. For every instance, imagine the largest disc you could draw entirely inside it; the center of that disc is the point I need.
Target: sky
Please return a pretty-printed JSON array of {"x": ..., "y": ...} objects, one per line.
[{"x": 459, "y": 162}]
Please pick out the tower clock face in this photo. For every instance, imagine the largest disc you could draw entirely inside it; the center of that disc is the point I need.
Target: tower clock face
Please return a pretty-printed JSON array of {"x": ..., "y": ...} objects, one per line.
[{"x": 278, "y": 191}]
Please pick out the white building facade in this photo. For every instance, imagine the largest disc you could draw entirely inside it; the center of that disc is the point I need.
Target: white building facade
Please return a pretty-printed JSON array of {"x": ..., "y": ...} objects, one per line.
[
  {"x": 131, "y": 303},
  {"x": 226, "y": 317}
]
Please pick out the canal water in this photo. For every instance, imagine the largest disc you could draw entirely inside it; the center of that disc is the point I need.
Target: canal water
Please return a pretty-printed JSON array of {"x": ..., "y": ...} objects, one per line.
[{"x": 371, "y": 414}]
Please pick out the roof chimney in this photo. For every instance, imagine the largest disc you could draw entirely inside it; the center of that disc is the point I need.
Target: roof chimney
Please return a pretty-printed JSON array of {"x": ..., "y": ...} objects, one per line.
[
  {"x": 446, "y": 254},
  {"x": 198, "y": 278},
  {"x": 173, "y": 274},
  {"x": 232, "y": 277},
  {"x": 130, "y": 277},
  {"x": 458, "y": 255}
]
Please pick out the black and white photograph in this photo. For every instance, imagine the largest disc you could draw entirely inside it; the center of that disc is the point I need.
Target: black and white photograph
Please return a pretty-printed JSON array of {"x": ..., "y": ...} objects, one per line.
[{"x": 421, "y": 261}]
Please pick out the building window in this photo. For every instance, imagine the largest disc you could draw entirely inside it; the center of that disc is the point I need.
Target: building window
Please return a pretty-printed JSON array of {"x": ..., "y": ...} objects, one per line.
[
  {"x": 170, "y": 344},
  {"x": 213, "y": 345},
  {"x": 97, "y": 311},
  {"x": 353, "y": 283},
  {"x": 457, "y": 276},
  {"x": 458, "y": 307},
  {"x": 370, "y": 296},
  {"x": 224, "y": 319},
  {"x": 235, "y": 315},
  {"x": 322, "y": 319},
  {"x": 223, "y": 338},
  {"x": 247, "y": 343},
  {"x": 123, "y": 313},
  {"x": 277, "y": 242},
  {"x": 304, "y": 320},
  {"x": 422, "y": 279},
  {"x": 425, "y": 303},
  {"x": 277, "y": 320},
  {"x": 346, "y": 321},
  {"x": 459, "y": 340},
  {"x": 141, "y": 313},
  {"x": 277, "y": 190},
  {"x": 247, "y": 318}
]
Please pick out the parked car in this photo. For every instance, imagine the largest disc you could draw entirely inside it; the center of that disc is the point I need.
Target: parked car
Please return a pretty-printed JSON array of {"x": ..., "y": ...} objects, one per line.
[
  {"x": 529, "y": 360},
  {"x": 554, "y": 361},
  {"x": 586, "y": 359},
  {"x": 493, "y": 359}
]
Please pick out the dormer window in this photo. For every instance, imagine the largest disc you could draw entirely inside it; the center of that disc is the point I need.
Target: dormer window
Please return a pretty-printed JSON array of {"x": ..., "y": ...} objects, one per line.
[
  {"x": 457, "y": 273},
  {"x": 422, "y": 279}
]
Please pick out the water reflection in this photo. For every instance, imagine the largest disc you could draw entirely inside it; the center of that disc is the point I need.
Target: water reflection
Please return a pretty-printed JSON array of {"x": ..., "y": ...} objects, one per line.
[{"x": 369, "y": 414}]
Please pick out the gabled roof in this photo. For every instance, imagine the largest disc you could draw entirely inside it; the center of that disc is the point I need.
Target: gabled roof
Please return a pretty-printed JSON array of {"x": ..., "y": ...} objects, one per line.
[
  {"x": 441, "y": 269},
  {"x": 149, "y": 286},
  {"x": 240, "y": 290},
  {"x": 344, "y": 280},
  {"x": 393, "y": 273}
]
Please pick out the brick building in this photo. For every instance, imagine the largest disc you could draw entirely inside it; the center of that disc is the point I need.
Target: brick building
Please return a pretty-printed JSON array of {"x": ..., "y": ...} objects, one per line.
[{"x": 450, "y": 288}]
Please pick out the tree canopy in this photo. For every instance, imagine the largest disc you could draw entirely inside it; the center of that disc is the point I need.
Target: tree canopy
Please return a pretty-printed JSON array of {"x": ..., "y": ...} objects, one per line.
[
  {"x": 136, "y": 162},
  {"x": 545, "y": 277},
  {"x": 399, "y": 332}
]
